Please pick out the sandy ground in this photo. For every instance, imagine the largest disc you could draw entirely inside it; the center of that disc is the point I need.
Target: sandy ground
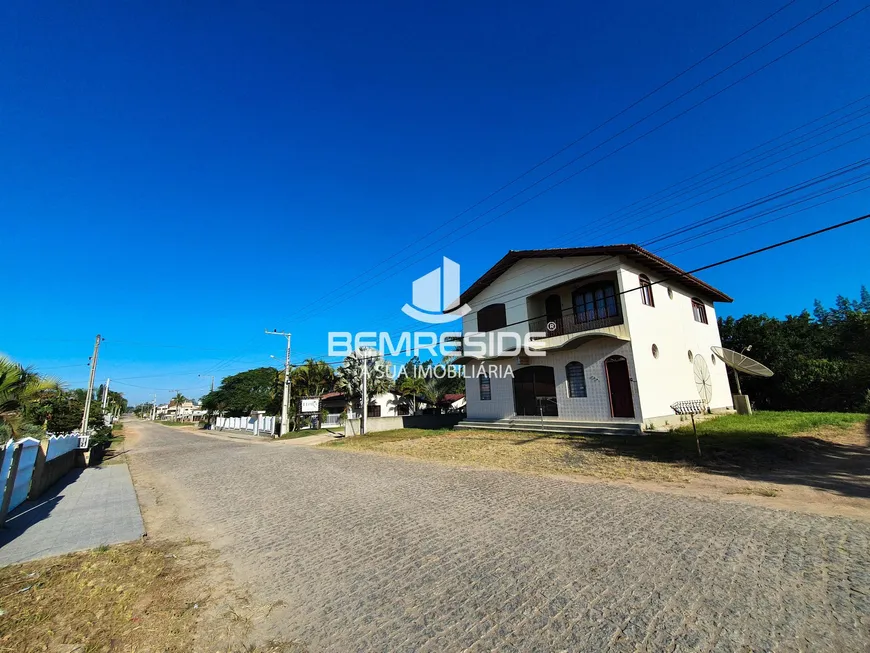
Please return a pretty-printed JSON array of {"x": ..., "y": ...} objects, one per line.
[{"x": 229, "y": 618}]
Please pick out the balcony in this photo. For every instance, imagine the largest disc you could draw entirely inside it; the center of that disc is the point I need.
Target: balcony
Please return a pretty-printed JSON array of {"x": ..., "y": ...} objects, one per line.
[{"x": 568, "y": 324}]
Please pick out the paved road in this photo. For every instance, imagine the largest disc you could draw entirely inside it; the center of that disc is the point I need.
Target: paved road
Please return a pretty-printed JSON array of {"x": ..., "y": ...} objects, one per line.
[{"x": 377, "y": 554}]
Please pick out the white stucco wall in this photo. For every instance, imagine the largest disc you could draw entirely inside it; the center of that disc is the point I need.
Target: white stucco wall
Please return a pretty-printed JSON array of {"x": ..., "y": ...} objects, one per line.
[
  {"x": 594, "y": 407},
  {"x": 530, "y": 276},
  {"x": 671, "y": 326}
]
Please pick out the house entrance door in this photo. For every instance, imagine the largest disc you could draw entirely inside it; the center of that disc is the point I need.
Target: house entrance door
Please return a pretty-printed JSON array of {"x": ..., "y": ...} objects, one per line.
[
  {"x": 535, "y": 392},
  {"x": 619, "y": 386}
]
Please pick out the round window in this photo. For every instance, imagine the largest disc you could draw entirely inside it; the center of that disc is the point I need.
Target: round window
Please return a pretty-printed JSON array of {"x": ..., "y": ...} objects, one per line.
[
  {"x": 655, "y": 351},
  {"x": 691, "y": 356}
]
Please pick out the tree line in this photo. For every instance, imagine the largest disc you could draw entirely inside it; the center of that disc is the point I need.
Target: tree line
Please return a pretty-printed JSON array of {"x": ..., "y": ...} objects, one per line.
[
  {"x": 820, "y": 360},
  {"x": 261, "y": 389},
  {"x": 32, "y": 405}
]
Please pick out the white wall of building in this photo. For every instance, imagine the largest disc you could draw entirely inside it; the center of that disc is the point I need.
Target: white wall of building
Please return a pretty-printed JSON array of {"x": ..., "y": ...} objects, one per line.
[
  {"x": 594, "y": 407},
  {"x": 530, "y": 276},
  {"x": 671, "y": 326},
  {"x": 656, "y": 382}
]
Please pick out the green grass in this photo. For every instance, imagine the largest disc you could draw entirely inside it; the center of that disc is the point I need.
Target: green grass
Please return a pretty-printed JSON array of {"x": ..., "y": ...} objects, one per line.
[
  {"x": 117, "y": 426},
  {"x": 769, "y": 423},
  {"x": 173, "y": 423}
]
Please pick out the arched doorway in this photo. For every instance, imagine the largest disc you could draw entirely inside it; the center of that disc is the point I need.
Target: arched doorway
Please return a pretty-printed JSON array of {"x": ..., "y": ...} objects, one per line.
[
  {"x": 619, "y": 387},
  {"x": 535, "y": 391}
]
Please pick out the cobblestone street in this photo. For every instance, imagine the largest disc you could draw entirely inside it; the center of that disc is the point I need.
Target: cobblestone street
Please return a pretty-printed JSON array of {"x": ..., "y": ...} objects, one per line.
[{"x": 372, "y": 553}]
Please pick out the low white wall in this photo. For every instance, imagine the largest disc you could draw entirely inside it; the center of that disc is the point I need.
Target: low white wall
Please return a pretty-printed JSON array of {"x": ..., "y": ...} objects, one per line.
[
  {"x": 373, "y": 425},
  {"x": 29, "y": 449},
  {"x": 59, "y": 445},
  {"x": 263, "y": 423}
]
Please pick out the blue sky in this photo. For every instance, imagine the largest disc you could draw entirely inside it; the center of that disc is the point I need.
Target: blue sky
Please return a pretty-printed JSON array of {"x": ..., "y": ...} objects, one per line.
[{"x": 180, "y": 176}]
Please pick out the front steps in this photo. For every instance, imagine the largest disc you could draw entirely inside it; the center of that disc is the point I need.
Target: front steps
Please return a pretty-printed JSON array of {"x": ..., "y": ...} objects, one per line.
[{"x": 563, "y": 427}]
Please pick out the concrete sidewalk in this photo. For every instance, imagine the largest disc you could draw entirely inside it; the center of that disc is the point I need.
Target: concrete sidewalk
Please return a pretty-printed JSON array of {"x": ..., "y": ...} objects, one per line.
[{"x": 85, "y": 509}]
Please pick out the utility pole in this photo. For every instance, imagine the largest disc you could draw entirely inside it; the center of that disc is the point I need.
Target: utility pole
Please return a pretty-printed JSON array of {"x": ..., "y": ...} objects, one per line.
[
  {"x": 285, "y": 404},
  {"x": 91, "y": 385},
  {"x": 365, "y": 395},
  {"x": 154, "y": 408},
  {"x": 211, "y": 389},
  {"x": 106, "y": 394}
]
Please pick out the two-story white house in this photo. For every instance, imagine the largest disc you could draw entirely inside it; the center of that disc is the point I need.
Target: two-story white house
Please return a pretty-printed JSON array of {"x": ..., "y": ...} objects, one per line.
[{"x": 618, "y": 327}]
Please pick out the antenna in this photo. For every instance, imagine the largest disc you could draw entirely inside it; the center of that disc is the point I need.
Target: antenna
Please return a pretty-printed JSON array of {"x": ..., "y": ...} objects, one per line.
[
  {"x": 739, "y": 362},
  {"x": 703, "y": 382}
]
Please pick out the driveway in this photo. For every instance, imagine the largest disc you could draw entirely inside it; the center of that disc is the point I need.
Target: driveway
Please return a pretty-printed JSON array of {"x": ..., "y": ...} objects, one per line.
[{"x": 370, "y": 553}]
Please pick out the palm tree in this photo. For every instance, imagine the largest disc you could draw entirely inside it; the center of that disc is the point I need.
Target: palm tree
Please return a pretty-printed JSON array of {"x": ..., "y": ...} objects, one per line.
[
  {"x": 21, "y": 389},
  {"x": 350, "y": 375},
  {"x": 411, "y": 387},
  {"x": 312, "y": 379}
]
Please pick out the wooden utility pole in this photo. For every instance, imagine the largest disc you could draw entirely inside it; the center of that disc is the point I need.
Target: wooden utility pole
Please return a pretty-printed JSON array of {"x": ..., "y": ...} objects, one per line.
[{"x": 91, "y": 385}]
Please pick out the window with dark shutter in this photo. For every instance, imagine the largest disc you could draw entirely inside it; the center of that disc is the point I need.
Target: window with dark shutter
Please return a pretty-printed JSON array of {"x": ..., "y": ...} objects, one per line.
[
  {"x": 699, "y": 311},
  {"x": 646, "y": 292},
  {"x": 576, "y": 379},
  {"x": 491, "y": 318},
  {"x": 485, "y": 388}
]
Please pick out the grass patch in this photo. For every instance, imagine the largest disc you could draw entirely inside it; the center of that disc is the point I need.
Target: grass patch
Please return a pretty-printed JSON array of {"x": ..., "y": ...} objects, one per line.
[
  {"x": 306, "y": 432},
  {"x": 372, "y": 440},
  {"x": 129, "y": 597},
  {"x": 112, "y": 598},
  {"x": 117, "y": 427},
  {"x": 755, "y": 491},
  {"x": 173, "y": 423},
  {"x": 731, "y": 444},
  {"x": 770, "y": 423}
]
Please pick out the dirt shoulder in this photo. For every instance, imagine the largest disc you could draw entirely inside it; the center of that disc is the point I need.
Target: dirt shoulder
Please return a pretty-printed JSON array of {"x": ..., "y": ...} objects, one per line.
[
  {"x": 169, "y": 593},
  {"x": 824, "y": 471}
]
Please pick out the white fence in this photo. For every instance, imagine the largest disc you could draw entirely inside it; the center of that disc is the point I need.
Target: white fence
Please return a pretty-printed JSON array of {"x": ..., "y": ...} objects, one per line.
[
  {"x": 14, "y": 491},
  {"x": 261, "y": 425},
  {"x": 21, "y": 483},
  {"x": 332, "y": 419},
  {"x": 59, "y": 445}
]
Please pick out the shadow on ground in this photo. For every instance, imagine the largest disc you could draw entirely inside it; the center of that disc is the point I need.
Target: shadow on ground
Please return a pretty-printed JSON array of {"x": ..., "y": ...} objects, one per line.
[
  {"x": 32, "y": 512},
  {"x": 840, "y": 467}
]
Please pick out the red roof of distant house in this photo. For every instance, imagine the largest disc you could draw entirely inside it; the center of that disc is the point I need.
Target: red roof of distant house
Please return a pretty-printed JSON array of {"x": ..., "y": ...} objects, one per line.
[
  {"x": 453, "y": 397},
  {"x": 332, "y": 395}
]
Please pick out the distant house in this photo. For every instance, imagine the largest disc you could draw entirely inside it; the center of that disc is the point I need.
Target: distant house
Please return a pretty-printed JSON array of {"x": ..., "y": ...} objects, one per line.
[
  {"x": 387, "y": 404},
  {"x": 452, "y": 403},
  {"x": 621, "y": 331},
  {"x": 188, "y": 411}
]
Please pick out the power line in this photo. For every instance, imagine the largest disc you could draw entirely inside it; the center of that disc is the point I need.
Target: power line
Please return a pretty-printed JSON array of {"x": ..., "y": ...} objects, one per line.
[
  {"x": 683, "y": 274},
  {"x": 467, "y": 232},
  {"x": 643, "y": 219},
  {"x": 595, "y": 129},
  {"x": 826, "y": 176},
  {"x": 731, "y": 159}
]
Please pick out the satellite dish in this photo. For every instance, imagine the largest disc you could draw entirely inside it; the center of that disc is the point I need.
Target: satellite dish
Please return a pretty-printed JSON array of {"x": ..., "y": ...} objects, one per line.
[
  {"x": 741, "y": 363},
  {"x": 703, "y": 382}
]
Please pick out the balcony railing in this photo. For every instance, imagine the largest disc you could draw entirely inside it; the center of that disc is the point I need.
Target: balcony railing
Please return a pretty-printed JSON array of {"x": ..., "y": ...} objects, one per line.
[{"x": 571, "y": 323}]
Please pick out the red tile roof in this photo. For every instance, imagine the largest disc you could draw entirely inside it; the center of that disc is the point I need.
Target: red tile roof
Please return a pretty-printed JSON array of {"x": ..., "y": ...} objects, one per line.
[{"x": 636, "y": 253}]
